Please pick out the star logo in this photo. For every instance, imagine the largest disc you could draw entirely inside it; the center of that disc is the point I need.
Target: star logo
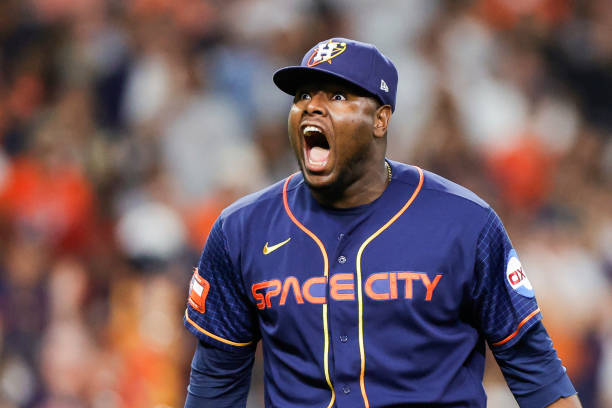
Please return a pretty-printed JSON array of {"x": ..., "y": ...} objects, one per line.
[{"x": 325, "y": 52}]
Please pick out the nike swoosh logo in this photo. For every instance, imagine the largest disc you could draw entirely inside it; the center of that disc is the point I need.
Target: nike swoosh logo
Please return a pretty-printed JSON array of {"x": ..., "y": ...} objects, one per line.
[{"x": 269, "y": 249}]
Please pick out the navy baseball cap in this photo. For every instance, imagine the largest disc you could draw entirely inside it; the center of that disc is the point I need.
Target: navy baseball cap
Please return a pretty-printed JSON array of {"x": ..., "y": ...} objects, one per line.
[{"x": 356, "y": 62}]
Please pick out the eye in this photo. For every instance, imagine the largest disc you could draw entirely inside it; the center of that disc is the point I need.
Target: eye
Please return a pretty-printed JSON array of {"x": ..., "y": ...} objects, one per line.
[
  {"x": 302, "y": 96},
  {"x": 338, "y": 96}
]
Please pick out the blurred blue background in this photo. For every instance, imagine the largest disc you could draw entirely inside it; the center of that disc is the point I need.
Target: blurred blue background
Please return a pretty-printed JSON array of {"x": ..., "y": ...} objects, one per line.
[{"x": 126, "y": 126}]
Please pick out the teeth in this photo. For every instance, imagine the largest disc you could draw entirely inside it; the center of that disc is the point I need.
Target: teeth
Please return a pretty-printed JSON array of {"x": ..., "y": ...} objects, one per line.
[
  {"x": 316, "y": 163},
  {"x": 311, "y": 129}
]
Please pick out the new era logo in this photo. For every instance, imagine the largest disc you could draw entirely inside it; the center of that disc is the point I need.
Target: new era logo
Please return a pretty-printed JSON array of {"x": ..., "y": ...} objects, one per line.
[{"x": 383, "y": 85}]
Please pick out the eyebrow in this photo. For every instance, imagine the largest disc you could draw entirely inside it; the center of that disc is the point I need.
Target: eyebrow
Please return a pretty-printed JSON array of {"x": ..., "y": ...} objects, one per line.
[{"x": 334, "y": 86}]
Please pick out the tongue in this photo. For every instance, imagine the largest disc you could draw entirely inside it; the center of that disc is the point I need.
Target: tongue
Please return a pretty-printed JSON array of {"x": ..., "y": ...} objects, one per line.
[{"x": 318, "y": 155}]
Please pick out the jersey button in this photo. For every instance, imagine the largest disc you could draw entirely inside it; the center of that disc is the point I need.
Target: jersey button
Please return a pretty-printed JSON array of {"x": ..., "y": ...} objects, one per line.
[
  {"x": 343, "y": 339},
  {"x": 346, "y": 389},
  {"x": 342, "y": 259}
]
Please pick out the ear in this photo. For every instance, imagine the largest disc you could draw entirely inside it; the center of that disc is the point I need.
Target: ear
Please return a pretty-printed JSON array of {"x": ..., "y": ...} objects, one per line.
[{"x": 381, "y": 120}]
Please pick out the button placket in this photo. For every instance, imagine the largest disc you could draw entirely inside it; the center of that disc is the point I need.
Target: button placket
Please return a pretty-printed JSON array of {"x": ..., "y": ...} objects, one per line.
[{"x": 345, "y": 352}]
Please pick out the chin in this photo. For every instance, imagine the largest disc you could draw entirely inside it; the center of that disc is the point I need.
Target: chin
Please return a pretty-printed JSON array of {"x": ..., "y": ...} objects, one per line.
[{"x": 320, "y": 182}]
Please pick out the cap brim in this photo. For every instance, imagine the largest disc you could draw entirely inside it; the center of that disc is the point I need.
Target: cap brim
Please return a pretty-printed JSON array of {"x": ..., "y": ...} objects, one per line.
[{"x": 289, "y": 79}]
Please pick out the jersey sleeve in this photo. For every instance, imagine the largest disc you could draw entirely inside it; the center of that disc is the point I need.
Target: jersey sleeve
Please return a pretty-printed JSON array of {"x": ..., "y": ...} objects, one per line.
[
  {"x": 505, "y": 306},
  {"x": 533, "y": 370},
  {"x": 219, "y": 378},
  {"x": 218, "y": 310}
]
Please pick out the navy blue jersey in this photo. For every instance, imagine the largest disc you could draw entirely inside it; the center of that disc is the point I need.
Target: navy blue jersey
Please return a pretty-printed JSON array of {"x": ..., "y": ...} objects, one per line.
[{"x": 385, "y": 304}]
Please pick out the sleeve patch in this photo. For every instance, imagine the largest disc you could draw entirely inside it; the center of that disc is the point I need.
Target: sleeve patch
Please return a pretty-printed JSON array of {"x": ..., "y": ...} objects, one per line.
[
  {"x": 515, "y": 275},
  {"x": 198, "y": 291}
]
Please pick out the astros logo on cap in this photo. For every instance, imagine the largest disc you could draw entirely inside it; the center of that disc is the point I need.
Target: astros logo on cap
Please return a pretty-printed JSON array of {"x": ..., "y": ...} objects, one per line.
[{"x": 325, "y": 52}]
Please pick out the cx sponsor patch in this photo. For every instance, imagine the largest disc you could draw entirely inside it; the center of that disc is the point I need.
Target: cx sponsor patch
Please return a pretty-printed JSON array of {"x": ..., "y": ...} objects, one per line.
[{"x": 515, "y": 275}]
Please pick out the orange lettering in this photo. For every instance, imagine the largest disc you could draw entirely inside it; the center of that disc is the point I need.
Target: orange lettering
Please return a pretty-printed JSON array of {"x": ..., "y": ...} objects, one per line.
[
  {"x": 430, "y": 285},
  {"x": 306, "y": 289},
  {"x": 409, "y": 277},
  {"x": 393, "y": 284},
  {"x": 291, "y": 282},
  {"x": 368, "y": 286},
  {"x": 258, "y": 296},
  {"x": 335, "y": 287},
  {"x": 261, "y": 304}
]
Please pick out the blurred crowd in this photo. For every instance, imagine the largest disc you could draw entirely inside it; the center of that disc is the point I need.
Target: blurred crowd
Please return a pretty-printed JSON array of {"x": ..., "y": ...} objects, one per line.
[{"x": 127, "y": 125}]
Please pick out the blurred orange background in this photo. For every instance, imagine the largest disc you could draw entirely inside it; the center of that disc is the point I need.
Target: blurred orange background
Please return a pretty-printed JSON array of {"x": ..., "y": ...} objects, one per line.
[{"x": 126, "y": 126}]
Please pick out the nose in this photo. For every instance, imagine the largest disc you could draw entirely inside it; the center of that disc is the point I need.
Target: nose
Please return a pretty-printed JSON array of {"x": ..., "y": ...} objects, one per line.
[{"x": 317, "y": 104}]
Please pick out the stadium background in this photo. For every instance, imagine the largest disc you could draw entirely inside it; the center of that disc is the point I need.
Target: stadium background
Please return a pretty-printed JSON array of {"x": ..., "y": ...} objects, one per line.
[{"x": 125, "y": 126}]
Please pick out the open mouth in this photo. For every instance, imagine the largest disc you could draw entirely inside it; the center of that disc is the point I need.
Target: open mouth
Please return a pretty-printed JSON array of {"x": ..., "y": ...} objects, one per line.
[{"x": 316, "y": 148}]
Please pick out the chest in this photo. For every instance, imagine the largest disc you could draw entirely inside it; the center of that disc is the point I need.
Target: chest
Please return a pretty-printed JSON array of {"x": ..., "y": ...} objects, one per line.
[{"x": 411, "y": 266}]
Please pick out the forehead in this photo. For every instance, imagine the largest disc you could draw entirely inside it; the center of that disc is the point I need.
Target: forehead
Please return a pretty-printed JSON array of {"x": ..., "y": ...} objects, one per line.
[{"x": 329, "y": 83}]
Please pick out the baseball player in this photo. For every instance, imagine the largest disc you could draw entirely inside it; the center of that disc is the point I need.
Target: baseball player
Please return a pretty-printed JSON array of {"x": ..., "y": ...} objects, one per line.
[{"x": 370, "y": 283}]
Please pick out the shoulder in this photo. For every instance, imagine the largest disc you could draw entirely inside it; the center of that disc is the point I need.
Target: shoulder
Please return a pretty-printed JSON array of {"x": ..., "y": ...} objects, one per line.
[
  {"x": 444, "y": 201},
  {"x": 438, "y": 188},
  {"x": 253, "y": 214},
  {"x": 258, "y": 202}
]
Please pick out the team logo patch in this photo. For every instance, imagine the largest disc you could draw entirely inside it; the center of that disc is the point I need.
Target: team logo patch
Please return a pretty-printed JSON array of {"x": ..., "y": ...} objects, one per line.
[
  {"x": 325, "y": 52},
  {"x": 515, "y": 275},
  {"x": 198, "y": 290}
]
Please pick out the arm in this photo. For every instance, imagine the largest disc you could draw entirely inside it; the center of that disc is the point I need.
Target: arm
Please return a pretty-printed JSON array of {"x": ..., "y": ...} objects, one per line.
[
  {"x": 220, "y": 316},
  {"x": 219, "y": 378},
  {"x": 509, "y": 317},
  {"x": 569, "y": 402},
  {"x": 534, "y": 372}
]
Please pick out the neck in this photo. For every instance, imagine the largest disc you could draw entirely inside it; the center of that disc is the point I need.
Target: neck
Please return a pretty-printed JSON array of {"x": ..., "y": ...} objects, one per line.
[{"x": 353, "y": 193}]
